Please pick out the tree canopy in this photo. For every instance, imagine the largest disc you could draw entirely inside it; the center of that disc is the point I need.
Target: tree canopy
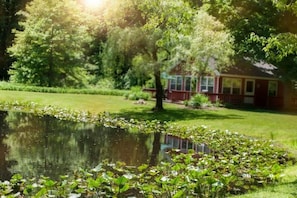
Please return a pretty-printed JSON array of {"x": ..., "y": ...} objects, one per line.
[
  {"x": 263, "y": 30},
  {"x": 208, "y": 47},
  {"x": 133, "y": 41},
  {"x": 49, "y": 49},
  {"x": 156, "y": 38}
]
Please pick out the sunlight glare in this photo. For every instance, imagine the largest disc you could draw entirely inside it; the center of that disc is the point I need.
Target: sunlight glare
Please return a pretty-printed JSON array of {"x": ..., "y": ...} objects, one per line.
[{"x": 93, "y": 3}]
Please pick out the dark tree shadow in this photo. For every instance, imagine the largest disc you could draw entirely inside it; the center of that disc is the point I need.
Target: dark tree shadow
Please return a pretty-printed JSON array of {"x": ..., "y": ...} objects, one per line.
[{"x": 142, "y": 113}]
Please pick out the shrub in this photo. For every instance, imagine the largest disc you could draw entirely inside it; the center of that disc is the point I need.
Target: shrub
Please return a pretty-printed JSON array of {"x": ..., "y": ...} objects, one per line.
[
  {"x": 186, "y": 103},
  {"x": 136, "y": 93},
  {"x": 199, "y": 101},
  {"x": 93, "y": 91}
]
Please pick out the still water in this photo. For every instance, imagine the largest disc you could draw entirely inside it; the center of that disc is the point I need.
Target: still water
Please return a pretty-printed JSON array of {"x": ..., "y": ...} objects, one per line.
[{"x": 34, "y": 146}]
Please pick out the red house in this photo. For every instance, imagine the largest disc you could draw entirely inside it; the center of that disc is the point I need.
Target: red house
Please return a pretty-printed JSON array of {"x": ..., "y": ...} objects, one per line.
[{"x": 244, "y": 83}]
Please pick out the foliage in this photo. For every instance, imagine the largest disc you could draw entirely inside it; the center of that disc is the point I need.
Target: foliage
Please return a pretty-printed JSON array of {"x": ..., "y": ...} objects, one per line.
[
  {"x": 8, "y": 21},
  {"x": 21, "y": 87},
  {"x": 207, "y": 48},
  {"x": 49, "y": 49},
  {"x": 105, "y": 83},
  {"x": 262, "y": 30},
  {"x": 136, "y": 93},
  {"x": 199, "y": 101},
  {"x": 145, "y": 44},
  {"x": 235, "y": 164}
]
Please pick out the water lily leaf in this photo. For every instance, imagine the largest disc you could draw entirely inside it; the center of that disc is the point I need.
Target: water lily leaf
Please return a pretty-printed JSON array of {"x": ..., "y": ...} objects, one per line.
[
  {"x": 179, "y": 193},
  {"x": 121, "y": 180}
]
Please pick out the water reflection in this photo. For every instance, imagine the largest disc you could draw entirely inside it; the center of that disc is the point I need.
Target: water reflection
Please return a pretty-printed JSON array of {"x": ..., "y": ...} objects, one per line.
[{"x": 34, "y": 146}]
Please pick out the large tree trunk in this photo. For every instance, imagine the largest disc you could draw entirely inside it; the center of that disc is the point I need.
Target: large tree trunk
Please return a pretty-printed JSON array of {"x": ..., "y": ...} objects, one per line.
[
  {"x": 159, "y": 89},
  {"x": 158, "y": 83}
]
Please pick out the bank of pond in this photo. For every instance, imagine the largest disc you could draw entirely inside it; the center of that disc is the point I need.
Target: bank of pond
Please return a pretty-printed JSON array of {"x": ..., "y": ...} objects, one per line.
[{"x": 49, "y": 151}]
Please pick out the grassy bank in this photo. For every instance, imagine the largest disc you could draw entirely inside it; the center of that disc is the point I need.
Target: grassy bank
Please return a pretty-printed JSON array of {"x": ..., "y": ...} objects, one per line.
[
  {"x": 260, "y": 123},
  {"x": 278, "y": 126}
]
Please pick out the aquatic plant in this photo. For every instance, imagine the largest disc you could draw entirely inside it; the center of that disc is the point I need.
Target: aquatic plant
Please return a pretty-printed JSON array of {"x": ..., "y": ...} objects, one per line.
[{"x": 236, "y": 163}]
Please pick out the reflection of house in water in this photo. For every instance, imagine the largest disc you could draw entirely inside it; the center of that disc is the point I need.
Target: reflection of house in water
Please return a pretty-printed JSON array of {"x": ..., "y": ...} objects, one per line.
[{"x": 183, "y": 145}]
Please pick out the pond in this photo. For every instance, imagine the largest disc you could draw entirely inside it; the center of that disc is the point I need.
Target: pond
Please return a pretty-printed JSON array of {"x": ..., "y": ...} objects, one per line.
[{"x": 34, "y": 146}]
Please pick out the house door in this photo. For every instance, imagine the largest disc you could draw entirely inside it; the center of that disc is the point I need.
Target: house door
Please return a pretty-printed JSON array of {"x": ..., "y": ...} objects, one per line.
[
  {"x": 249, "y": 91},
  {"x": 261, "y": 90}
]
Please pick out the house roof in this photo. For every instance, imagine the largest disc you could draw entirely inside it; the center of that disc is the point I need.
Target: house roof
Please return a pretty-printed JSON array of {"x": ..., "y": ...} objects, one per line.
[
  {"x": 245, "y": 67},
  {"x": 242, "y": 67}
]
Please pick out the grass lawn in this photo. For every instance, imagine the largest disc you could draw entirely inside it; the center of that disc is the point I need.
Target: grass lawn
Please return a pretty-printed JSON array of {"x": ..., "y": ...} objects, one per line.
[{"x": 279, "y": 126}]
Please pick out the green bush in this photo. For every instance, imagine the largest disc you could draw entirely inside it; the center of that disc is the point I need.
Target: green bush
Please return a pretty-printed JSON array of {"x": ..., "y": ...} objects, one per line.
[
  {"x": 92, "y": 91},
  {"x": 199, "y": 101},
  {"x": 136, "y": 93}
]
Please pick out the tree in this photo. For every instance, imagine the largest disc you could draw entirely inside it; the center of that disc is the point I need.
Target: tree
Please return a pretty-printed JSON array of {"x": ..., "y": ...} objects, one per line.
[
  {"x": 49, "y": 49},
  {"x": 151, "y": 36},
  {"x": 262, "y": 30},
  {"x": 8, "y": 21},
  {"x": 123, "y": 19},
  {"x": 163, "y": 34},
  {"x": 208, "y": 47},
  {"x": 166, "y": 21},
  {"x": 281, "y": 46}
]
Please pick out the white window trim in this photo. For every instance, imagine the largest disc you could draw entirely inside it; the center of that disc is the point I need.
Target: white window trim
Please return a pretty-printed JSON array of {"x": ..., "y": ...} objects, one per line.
[
  {"x": 182, "y": 83},
  {"x": 170, "y": 84},
  {"x": 207, "y": 83},
  {"x": 175, "y": 87}
]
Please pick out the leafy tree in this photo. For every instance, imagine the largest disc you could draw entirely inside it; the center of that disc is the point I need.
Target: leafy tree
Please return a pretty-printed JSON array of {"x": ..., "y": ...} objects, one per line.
[
  {"x": 209, "y": 45},
  {"x": 150, "y": 36},
  {"x": 8, "y": 21},
  {"x": 163, "y": 34},
  {"x": 49, "y": 51},
  {"x": 118, "y": 54},
  {"x": 263, "y": 30},
  {"x": 281, "y": 46},
  {"x": 95, "y": 20},
  {"x": 165, "y": 20},
  {"x": 122, "y": 19}
]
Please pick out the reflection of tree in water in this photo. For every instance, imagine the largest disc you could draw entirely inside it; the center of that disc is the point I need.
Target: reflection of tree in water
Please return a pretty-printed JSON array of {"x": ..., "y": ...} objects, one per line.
[
  {"x": 47, "y": 146},
  {"x": 102, "y": 143},
  {"x": 4, "y": 173},
  {"x": 156, "y": 149},
  {"x": 41, "y": 146}
]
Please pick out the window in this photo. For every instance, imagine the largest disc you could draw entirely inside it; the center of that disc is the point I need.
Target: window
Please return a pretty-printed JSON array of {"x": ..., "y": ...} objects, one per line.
[
  {"x": 173, "y": 83},
  {"x": 207, "y": 84},
  {"x": 250, "y": 87},
  {"x": 188, "y": 84},
  {"x": 272, "y": 88},
  {"x": 232, "y": 86},
  {"x": 179, "y": 81},
  {"x": 176, "y": 83}
]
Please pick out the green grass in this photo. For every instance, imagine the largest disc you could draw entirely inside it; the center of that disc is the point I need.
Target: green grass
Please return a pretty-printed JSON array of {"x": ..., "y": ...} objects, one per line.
[
  {"x": 274, "y": 125},
  {"x": 279, "y": 126}
]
